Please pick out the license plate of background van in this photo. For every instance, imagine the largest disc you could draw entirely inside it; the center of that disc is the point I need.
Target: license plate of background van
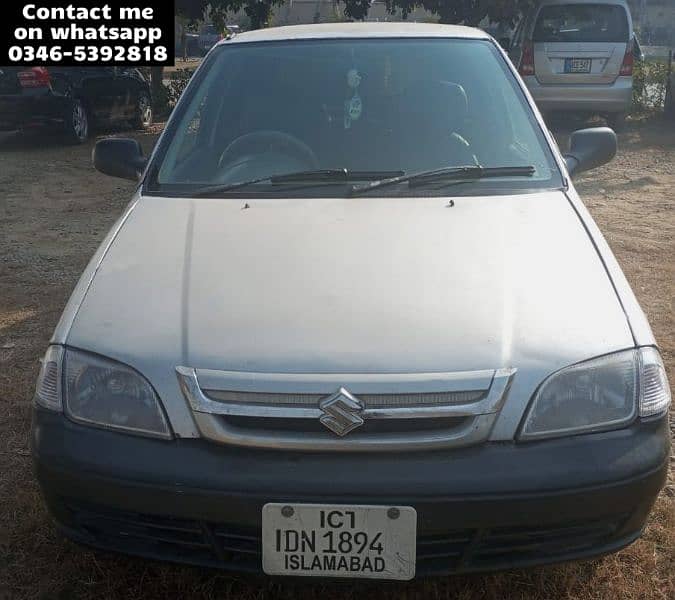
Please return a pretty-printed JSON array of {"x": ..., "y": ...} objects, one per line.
[
  {"x": 577, "y": 65},
  {"x": 316, "y": 540}
]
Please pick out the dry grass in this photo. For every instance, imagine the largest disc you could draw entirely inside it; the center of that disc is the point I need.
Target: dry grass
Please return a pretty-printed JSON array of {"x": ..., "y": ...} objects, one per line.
[{"x": 54, "y": 209}]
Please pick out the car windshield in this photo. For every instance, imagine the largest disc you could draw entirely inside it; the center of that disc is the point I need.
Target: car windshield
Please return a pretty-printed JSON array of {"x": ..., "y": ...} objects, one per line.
[
  {"x": 582, "y": 23},
  {"x": 363, "y": 107}
]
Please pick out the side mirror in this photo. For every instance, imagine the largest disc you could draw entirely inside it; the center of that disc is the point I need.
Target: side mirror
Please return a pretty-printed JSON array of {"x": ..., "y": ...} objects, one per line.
[
  {"x": 119, "y": 157},
  {"x": 505, "y": 43},
  {"x": 590, "y": 148}
]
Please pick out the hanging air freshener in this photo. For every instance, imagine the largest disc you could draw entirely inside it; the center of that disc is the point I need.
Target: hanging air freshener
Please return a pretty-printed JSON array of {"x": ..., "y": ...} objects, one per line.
[{"x": 353, "y": 106}]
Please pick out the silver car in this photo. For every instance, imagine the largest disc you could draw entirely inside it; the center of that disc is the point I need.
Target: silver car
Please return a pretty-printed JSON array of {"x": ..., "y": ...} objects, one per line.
[
  {"x": 578, "y": 56},
  {"x": 355, "y": 322}
]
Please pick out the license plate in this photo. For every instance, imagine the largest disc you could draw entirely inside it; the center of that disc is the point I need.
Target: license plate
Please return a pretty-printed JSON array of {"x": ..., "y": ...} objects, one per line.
[
  {"x": 577, "y": 65},
  {"x": 317, "y": 540}
]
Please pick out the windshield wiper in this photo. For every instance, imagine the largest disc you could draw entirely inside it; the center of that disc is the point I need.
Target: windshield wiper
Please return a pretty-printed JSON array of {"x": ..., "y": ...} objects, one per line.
[
  {"x": 309, "y": 177},
  {"x": 335, "y": 175},
  {"x": 467, "y": 172}
]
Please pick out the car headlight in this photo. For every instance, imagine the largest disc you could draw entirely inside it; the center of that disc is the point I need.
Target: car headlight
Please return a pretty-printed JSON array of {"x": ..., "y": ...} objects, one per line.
[
  {"x": 597, "y": 395},
  {"x": 98, "y": 391}
]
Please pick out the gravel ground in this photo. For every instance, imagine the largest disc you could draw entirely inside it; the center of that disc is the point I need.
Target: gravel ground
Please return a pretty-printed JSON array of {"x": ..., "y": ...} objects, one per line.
[{"x": 54, "y": 210}]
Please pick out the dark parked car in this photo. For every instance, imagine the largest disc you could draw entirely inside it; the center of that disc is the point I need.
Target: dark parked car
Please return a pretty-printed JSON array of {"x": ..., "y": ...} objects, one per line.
[{"x": 73, "y": 99}]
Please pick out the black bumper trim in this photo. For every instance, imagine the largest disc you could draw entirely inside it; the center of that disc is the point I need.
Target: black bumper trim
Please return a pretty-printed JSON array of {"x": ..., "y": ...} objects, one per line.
[
  {"x": 460, "y": 551},
  {"x": 228, "y": 548}
]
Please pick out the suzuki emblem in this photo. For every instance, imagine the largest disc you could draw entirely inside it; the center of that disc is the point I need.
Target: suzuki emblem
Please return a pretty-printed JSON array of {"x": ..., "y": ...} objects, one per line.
[{"x": 342, "y": 412}]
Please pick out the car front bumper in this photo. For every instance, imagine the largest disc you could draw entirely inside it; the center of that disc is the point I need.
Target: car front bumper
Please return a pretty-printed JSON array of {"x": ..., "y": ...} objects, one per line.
[
  {"x": 488, "y": 507},
  {"x": 607, "y": 98}
]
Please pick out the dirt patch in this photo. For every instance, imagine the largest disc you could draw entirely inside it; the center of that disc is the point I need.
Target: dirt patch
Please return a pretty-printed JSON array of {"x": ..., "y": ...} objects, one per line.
[{"x": 54, "y": 210}]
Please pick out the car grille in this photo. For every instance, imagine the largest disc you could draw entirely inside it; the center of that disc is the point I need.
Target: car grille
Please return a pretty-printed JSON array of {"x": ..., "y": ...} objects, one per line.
[
  {"x": 166, "y": 538},
  {"x": 369, "y": 400},
  {"x": 504, "y": 547},
  {"x": 231, "y": 547},
  {"x": 375, "y": 426},
  {"x": 317, "y": 412}
]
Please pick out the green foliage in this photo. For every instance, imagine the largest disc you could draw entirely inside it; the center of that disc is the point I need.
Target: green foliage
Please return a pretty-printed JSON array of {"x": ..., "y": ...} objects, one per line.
[
  {"x": 670, "y": 100},
  {"x": 650, "y": 84},
  {"x": 177, "y": 84},
  {"x": 357, "y": 9},
  {"x": 470, "y": 12},
  {"x": 192, "y": 10},
  {"x": 160, "y": 101},
  {"x": 258, "y": 11}
]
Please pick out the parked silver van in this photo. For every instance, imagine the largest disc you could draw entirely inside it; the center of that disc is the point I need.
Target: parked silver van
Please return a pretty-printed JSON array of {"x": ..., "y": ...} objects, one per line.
[{"x": 578, "y": 56}]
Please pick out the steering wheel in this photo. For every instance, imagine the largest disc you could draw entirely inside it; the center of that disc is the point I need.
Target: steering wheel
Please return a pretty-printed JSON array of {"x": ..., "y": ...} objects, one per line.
[{"x": 268, "y": 140}]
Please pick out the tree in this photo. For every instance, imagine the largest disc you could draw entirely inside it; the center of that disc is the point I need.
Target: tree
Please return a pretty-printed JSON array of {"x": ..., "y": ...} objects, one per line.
[
  {"x": 191, "y": 10},
  {"x": 469, "y": 12},
  {"x": 358, "y": 9},
  {"x": 259, "y": 11}
]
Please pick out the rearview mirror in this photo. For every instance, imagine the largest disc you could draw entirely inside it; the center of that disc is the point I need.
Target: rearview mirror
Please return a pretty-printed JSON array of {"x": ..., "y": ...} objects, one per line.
[
  {"x": 590, "y": 148},
  {"x": 505, "y": 43},
  {"x": 119, "y": 157}
]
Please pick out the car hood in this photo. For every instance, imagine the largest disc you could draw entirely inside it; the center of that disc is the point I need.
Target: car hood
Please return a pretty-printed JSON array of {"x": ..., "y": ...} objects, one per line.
[{"x": 351, "y": 286}]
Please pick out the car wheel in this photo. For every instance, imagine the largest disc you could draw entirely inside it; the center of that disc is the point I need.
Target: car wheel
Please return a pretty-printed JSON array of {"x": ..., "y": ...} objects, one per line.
[
  {"x": 617, "y": 121},
  {"x": 77, "y": 122},
  {"x": 143, "y": 118}
]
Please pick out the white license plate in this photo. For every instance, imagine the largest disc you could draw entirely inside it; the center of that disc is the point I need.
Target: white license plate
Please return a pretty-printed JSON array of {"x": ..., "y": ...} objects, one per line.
[
  {"x": 317, "y": 540},
  {"x": 577, "y": 65}
]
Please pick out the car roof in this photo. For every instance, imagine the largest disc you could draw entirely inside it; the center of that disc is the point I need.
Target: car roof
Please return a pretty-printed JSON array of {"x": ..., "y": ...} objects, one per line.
[{"x": 357, "y": 30}]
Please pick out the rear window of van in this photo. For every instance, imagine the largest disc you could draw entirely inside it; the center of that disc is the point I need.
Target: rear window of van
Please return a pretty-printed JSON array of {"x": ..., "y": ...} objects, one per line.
[{"x": 582, "y": 23}]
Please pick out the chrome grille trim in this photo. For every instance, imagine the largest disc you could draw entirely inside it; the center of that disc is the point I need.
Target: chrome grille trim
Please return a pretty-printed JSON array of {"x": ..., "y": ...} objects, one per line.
[
  {"x": 358, "y": 383},
  {"x": 369, "y": 400},
  {"x": 211, "y": 415}
]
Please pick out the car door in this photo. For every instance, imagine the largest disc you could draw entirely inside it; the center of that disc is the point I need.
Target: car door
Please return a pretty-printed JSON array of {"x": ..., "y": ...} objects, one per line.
[
  {"x": 101, "y": 91},
  {"x": 581, "y": 43},
  {"x": 131, "y": 84}
]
